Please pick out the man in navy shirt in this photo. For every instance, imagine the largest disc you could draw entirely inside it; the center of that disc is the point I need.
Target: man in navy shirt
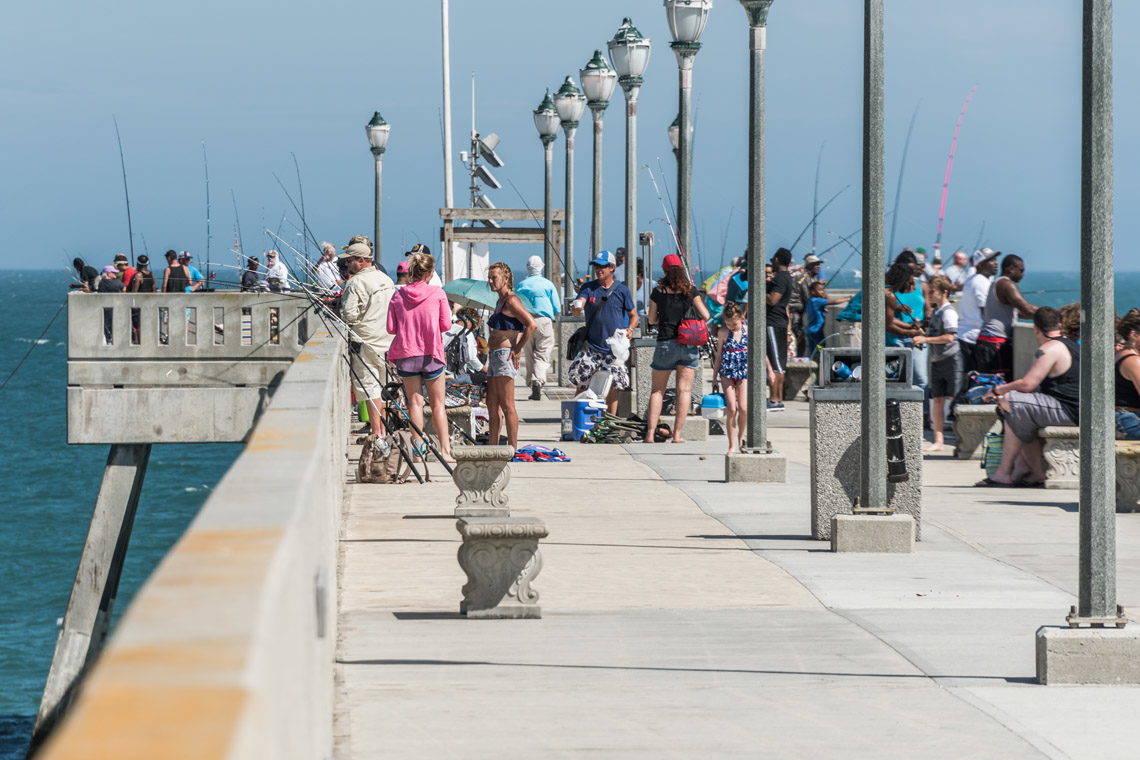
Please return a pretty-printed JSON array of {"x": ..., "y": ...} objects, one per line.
[{"x": 609, "y": 307}]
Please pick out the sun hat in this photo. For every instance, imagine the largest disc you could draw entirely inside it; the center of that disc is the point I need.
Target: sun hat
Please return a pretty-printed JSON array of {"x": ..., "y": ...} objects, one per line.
[{"x": 356, "y": 251}]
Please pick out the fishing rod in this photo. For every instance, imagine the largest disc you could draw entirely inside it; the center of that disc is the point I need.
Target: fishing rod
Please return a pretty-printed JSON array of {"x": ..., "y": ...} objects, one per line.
[
  {"x": 145, "y": 249},
  {"x": 32, "y": 347},
  {"x": 949, "y": 168},
  {"x": 816, "y": 216},
  {"x": 854, "y": 251},
  {"x": 290, "y": 197},
  {"x": 665, "y": 209},
  {"x": 301, "y": 193},
  {"x": 321, "y": 309},
  {"x": 899, "y": 184},
  {"x": 981, "y": 233},
  {"x": 206, "y": 166},
  {"x": 237, "y": 224},
  {"x": 815, "y": 194},
  {"x": 123, "y": 164},
  {"x": 724, "y": 237}
]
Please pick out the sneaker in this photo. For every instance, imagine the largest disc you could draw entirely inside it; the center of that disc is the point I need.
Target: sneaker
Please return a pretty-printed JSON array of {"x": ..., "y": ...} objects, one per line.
[
  {"x": 775, "y": 406},
  {"x": 535, "y": 391}
]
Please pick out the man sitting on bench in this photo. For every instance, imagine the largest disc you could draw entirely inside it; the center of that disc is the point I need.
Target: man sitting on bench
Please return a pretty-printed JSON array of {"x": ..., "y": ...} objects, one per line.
[{"x": 1048, "y": 395}]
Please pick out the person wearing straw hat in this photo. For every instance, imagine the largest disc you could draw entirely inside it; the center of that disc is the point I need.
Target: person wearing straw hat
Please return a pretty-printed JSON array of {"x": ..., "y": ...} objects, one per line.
[{"x": 364, "y": 307}]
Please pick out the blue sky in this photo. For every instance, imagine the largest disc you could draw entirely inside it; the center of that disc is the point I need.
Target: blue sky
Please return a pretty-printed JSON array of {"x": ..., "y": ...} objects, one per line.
[{"x": 258, "y": 81}]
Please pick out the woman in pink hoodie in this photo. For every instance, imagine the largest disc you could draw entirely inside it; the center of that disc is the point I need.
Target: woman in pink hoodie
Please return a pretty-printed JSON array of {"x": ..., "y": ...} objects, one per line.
[{"x": 417, "y": 318}]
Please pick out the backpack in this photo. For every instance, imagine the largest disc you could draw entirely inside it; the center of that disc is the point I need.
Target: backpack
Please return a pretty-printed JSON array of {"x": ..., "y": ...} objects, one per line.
[{"x": 389, "y": 469}]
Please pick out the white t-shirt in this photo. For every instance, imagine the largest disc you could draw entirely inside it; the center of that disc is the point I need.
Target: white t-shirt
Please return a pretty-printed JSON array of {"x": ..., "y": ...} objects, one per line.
[{"x": 970, "y": 308}]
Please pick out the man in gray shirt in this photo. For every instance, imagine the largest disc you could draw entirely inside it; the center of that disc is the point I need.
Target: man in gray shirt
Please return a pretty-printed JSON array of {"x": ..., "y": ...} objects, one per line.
[{"x": 994, "y": 352}]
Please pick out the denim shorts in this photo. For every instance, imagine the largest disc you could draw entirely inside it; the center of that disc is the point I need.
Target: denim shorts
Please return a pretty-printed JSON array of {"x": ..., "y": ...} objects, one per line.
[
  {"x": 426, "y": 367},
  {"x": 1127, "y": 426},
  {"x": 670, "y": 354},
  {"x": 500, "y": 364}
]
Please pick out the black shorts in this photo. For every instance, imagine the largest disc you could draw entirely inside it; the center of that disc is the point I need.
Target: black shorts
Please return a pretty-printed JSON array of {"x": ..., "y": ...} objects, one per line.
[
  {"x": 778, "y": 347},
  {"x": 994, "y": 357}
]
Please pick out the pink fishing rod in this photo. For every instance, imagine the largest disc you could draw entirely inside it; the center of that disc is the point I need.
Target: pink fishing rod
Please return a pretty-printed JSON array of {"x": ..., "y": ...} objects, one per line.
[{"x": 949, "y": 168}]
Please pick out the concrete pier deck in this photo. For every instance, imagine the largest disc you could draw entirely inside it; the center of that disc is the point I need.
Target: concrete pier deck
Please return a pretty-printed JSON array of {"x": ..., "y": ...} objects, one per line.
[{"x": 688, "y": 617}]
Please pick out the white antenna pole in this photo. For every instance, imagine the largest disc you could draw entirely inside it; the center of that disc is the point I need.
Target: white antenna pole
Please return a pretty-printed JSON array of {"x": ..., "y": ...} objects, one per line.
[{"x": 448, "y": 195}]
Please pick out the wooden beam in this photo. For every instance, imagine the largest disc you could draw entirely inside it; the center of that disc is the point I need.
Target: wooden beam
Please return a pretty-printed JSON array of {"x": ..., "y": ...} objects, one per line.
[{"x": 499, "y": 214}]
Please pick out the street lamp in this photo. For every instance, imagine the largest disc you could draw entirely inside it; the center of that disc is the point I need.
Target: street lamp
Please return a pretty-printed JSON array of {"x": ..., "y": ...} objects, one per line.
[
  {"x": 598, "y": 81},
  {"x": 570, "y": 103},
  {"x": 629, "y": 51},
  {"x": 377, "y": 131},
  {"x": 675, "y": 136},
  {"x": 757, "y": 434},
  {"x": 546, "y": 121},
  {"x": 687, "y": 19}
]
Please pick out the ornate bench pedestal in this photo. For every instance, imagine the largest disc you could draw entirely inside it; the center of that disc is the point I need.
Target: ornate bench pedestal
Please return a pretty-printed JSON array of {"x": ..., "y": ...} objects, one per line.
[
  {"x": 1062, "y": 452},
  {"x": 481, "y": 474},
  {"x": 501, "y": 558},
  {"x": 971, "y": 423}
]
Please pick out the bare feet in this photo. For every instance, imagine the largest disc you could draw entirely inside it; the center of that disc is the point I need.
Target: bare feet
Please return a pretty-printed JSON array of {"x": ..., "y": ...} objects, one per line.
[
  {"x": 678, "y": 440},
  {"x": 932, "y": 447}
]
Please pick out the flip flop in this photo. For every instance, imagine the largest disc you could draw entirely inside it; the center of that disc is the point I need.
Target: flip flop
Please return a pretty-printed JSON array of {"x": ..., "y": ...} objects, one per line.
[
  {"x": 1030, "y": 484},
  {"x": 990, "y": 483}
]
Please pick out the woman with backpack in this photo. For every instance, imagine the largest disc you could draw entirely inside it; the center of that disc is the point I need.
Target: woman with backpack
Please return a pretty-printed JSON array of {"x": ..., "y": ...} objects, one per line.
[{"x": 679, "y": 312}]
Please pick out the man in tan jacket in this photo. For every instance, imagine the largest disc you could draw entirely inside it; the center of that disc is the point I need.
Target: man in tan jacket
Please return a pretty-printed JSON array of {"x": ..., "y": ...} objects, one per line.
[{"x": 364, "y": 308}]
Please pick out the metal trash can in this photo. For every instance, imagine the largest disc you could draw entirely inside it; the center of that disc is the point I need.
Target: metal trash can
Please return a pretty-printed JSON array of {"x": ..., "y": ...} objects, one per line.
[{"x": 835, "y": 432}]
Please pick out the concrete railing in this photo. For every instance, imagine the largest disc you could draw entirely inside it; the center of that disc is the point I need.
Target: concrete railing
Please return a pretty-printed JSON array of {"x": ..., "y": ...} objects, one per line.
[
  {"x": 227, "y": 651},
  {"x": 177, "y": 367}
]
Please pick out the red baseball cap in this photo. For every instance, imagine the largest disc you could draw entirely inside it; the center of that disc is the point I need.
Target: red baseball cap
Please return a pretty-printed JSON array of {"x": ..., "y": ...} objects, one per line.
[{"x": 670, "y": 261}]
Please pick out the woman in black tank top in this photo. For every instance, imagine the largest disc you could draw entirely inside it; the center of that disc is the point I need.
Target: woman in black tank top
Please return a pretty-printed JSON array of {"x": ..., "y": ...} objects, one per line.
[
  {"x": 176, "y": 280},
  {"x": 1128, "y": 377}
]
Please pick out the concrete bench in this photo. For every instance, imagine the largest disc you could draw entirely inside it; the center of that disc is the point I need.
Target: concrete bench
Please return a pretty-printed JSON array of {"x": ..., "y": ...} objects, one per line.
[
  {"x": 1063, "y": 465},
  {"x": 481, "y": 474},
  {"x": 462, "y": 416},
  {"x": 1128, "y": 476},
  {"x": 799, "y": 375},
  {"x": 501, "y": 558},
  {"x": 971, "y": 423}
]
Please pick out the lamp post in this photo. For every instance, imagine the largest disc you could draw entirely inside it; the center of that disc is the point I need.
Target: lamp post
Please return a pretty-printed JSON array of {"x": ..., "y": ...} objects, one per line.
[
  {"x": 687, "y": 19},
  {"x": 569, "y": 102},
  {"x": 873, "y": 389},
  {"x": 629, "y": 51},
  {"x": 598, "y": 82},
  {"x": 377, "y": 131},
  {"x": 757, "y": 434},
  {"x": 546, "y": 121}
]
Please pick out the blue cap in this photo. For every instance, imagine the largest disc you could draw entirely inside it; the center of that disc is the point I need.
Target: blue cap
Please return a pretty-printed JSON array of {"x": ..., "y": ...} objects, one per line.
[{"x": 603, "y": 259}]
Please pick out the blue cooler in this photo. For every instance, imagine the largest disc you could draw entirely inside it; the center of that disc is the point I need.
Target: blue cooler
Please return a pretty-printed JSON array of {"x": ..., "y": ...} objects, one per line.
[{"x": 578, "y": 417}]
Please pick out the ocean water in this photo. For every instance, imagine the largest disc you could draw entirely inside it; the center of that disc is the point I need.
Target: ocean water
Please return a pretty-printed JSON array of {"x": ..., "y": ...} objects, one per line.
[
  {"x": 1044, "y": 288},
  {"x": 49, "y": 488}
]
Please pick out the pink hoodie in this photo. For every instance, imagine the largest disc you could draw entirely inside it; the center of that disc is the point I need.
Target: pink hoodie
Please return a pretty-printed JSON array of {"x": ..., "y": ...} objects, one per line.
[{"x": 417, "y": 317}]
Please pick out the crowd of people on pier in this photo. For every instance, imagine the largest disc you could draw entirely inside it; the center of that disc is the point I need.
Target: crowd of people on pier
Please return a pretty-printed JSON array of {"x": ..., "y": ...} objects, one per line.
[{"x": 957, "y": 321}]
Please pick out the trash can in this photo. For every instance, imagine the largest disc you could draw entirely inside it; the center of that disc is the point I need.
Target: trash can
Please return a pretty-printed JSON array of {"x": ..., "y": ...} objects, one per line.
[{"x": 836, "y": 430}]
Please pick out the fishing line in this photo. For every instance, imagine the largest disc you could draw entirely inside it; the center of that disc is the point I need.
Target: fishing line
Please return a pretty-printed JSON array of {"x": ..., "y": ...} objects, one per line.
[{"x": 32, "y": 347}]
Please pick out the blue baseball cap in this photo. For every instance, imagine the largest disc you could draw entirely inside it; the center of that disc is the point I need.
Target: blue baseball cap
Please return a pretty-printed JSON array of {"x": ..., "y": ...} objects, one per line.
[{"x": 603, "y": 259}]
